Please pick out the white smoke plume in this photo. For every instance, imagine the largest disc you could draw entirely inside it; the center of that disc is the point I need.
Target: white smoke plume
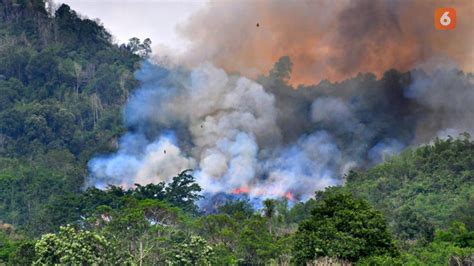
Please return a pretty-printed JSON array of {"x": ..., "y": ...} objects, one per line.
[
  {"x": 267, "y": 139},
  {"x": 233, "y": 142}
]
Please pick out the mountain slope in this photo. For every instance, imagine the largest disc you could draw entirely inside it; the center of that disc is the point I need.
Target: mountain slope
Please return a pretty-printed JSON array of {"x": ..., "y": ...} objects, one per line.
[
  {"x": 428, "y": 187},
  {"x": 62, "y": 86}
]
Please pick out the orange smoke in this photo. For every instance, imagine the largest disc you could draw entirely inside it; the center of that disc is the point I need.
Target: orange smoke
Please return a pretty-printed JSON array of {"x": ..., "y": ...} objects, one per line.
[{"x": 329, "y": 39}]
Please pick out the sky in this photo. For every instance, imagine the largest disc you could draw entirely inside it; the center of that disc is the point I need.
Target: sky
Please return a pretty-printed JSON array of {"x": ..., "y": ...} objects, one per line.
[{"x": 154, "y": 19}]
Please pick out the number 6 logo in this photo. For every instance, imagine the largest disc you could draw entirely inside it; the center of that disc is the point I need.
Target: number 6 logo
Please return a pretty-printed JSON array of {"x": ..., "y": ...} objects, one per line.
[{"x": 445, "y": 18}]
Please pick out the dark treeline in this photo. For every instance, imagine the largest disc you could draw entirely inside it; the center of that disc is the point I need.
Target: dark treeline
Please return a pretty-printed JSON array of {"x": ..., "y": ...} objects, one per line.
[{"x": 62, "y": 86}]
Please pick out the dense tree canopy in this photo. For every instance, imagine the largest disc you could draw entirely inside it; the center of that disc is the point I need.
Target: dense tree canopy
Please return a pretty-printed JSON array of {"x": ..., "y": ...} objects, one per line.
[
  {"x": 62, "y": 84},
  {"x": 423, "y": 188},
  {"x": 73, "y": 247}
]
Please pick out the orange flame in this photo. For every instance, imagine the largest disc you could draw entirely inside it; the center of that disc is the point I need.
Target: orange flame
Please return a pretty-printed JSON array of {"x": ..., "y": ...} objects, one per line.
[{"x": 240, "y": 190}]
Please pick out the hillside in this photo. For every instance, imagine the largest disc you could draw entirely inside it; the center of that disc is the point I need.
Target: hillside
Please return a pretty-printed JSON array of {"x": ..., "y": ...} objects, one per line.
[
  {"x": 429, "y": 187},
  {"x": 63, "y": 85}
]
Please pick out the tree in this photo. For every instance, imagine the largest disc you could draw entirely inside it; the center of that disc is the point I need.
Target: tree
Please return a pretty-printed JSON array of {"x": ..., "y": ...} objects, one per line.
[
  {"x": 7, "y": 247},
  {"x": 239, "y": 209},
  {"x": 256, "y": 244},
  {"x": 342, "y": 226},
  {"x": 282, "y": 69},
  {"x": 301, "y": 211},
  {"x": 269, "y": 211},
  {"x": 183, "y": 191},
  {"x": 456, "y": 234},
  {"x": 413, "y": 226},
  {"x": 193, "y": 251},
  {"x": 62, "y": 86},
  {"x": 142, "y": 229},
  {"x": 142, "y": 49},
  {"x": 24, "y": 254},
  {"x": 465, "y": 212},
  {"x": 145, "y": 48},
  {"x": 133, "y": 44},
  {"x": 71, "y": 246},
  {"x": 219, "y": 229},
  {"x": 150, "y": 191},
  {"x": 422, "y": 189}
]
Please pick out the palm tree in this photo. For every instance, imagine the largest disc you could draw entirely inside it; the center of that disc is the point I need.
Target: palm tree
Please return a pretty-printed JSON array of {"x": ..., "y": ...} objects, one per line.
[{"x": 269, "y": 211}]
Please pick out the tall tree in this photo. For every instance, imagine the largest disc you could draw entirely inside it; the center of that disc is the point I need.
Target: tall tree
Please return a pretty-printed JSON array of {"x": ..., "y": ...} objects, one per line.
[
  {"x": 269, "y": 211},
  {"x": 342, "y": 226}
]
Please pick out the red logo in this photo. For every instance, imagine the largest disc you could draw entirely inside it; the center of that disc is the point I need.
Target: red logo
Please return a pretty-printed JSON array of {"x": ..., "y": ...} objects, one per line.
[{"x": 445, "y": 18}]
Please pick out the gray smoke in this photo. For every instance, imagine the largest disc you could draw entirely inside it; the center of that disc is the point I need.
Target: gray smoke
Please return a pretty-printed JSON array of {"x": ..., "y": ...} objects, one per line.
[{"x": 267, "y": 139}]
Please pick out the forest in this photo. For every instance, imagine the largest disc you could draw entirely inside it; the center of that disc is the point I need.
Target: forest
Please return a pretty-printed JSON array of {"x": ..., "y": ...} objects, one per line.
[{"x": 63, "y": 85}]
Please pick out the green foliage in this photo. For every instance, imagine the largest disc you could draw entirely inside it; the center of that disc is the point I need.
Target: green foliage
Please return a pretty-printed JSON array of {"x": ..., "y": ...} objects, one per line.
[
  {"x": 7, "y": 247},
  {"x": 247, "y": 239},
  {"x": 436, "y": 253},
  {"x": 342, "y": 226},
  {"x": 223, "y": 256},
  {"x": 24, "y": 254},
  {"x": 239, "y": 209},
  {"x": 413, "y": 226},
  {"x": 25, "y": 192},
  {"x": 422, "y": 189},
  {"x": 269, "y": 211},
  {"x": 301, "y": 211},
  {"x": 193, "y": 251},
  {"x": 465, "y": 211},
  {"x": 256, "y": 244},
  {"x": 62, "y": 85},
  {"x": 383, "y": 260},
  {"x": 142, "y": 230},
  {"x": 183, "y": 191},
  {"x": 457, "y": 234},
  {"x": 219, "y": 229},
  {"x": 69, "y": 246},
  {"x": 14, "y": 248}
]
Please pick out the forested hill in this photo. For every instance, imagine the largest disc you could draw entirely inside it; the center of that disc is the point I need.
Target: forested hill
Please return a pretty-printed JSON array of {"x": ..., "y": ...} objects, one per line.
[
  {"x": 62, "y": 85},
  {"x": 430, "y": 187}
]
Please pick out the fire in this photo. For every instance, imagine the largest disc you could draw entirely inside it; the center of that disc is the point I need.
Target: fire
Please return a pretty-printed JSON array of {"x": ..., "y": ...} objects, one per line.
[
  {"x": 240, "y": 190},
  {"x": 246, "y": 190}
]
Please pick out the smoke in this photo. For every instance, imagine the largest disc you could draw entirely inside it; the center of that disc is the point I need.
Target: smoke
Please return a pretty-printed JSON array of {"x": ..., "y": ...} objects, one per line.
[
  {"x": 265, "y": 138},
  {"x": 226, "y": 129},
  {"x": 449, "y": 100},
  {"x": 139, "y": 162},
  {"x": 328, "y": 39}
]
